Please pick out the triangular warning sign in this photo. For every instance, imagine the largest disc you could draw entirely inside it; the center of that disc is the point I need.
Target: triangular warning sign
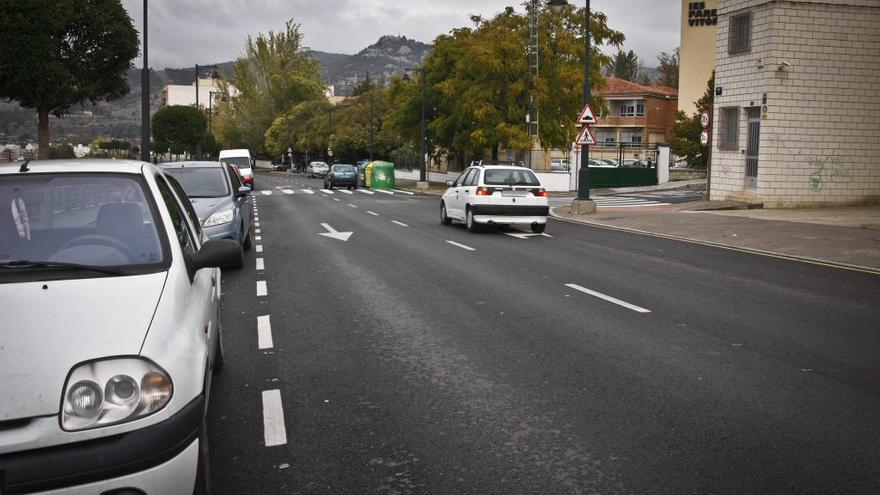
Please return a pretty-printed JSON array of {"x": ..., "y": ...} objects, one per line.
[
  {"x": 587, "y": 116},
  {"x": 585, "y": 137}
]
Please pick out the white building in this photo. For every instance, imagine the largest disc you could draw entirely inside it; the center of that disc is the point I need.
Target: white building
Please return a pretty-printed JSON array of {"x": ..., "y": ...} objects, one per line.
[
  {"x": 797, "y": 111},
  {"x": 176, "y": 94}
]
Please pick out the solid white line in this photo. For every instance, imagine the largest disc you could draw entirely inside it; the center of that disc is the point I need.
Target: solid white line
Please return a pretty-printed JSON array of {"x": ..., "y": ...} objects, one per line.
[
  {"x": 373, "y": 213},
  {"x": 383, "y": 191},
  {"x": 261, "y": 288},
  {"x": 259, "y": 248},
  {"x": 353, "y": 206},
  {"x": 326, "y": 191},
  {"x": 365, "y": 191},
  {"x": 261, "y": 264},
  {"x": 405, "y": 192},
  {"x": 608, "y": 298},
  {"x": 264, "y": 332},
  {"x": 632, "y": 206},
  {"x": 274, "y": 432},
  {"x": 399, "y": 223},
  {"x": 461, "y": 246}
]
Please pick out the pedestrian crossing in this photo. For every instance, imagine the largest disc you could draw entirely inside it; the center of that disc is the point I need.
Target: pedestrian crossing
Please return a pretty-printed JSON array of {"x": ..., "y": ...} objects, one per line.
[{"x": 625, "y": 202}]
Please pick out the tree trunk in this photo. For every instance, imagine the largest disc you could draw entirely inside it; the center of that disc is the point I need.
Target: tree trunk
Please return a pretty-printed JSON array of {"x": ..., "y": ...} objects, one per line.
[
  {"x": 495, "y": 152},
  {"x": 43, "y": 133}
]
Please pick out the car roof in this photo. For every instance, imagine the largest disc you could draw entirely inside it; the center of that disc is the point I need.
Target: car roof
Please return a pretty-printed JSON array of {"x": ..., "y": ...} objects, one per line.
[
  {"x": 96, "y": 165},
  {"x": 502, "y": 167},
  {"x": 201, "y": 164}
]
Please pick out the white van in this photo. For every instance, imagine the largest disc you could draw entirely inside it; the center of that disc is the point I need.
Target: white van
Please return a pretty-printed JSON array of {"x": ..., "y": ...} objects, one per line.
[{"x": 243, "y": 161}]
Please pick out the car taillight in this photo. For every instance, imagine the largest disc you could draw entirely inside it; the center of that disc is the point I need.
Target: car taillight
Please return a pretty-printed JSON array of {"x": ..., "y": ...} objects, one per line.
[
  {"x": 541, "y": 193},
  {"x": 248, "y": 179},
  {"x": 484, "y": 191}
]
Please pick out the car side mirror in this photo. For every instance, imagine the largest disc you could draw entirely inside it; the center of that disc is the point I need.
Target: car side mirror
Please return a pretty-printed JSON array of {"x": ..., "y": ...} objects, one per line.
[
  {"x": 217, "y": 253},
  {"x": 450, "y": 182},
  {"x": 243, "y": 191}
]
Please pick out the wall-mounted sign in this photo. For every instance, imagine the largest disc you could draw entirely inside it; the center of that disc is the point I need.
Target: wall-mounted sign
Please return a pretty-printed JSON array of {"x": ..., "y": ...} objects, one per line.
[
  {"x": 719, "y": 90},
  {"x": 699, "y": 15}
]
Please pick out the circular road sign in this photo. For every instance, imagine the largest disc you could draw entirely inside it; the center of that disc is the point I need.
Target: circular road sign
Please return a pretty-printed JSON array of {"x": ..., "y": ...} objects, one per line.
[
  {"x": 704, "y": 120},
  {"x": 704, "y": 138}
]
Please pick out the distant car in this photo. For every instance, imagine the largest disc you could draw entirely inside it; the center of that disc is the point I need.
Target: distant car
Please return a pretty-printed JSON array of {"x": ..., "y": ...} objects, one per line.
[
  {"x": 111, "y": 330},
  {"x": 244, "y": 161},
  {"x": 633, "y": 163},
  {"x": 557, "y": 165},
  {"x": 341, "y": 175},
  {"x": 280, "y": 165},
  {"x": 493, "y": 194},
  {"x": 317, "y": 169},
  {"x": 221, "y": 200}
]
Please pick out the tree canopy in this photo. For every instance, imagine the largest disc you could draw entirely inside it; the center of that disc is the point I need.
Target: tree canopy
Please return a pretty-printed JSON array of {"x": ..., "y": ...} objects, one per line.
[
  {"x": 625, "y": 65},
  {"x": 178, "y": 128},
  {"x": 62, "y": 53},
  {"x": 669, "y": 68}
]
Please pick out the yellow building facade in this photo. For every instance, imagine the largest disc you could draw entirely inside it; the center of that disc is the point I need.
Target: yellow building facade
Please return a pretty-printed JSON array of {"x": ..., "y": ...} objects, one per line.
[{"x": 699, "y": 22}]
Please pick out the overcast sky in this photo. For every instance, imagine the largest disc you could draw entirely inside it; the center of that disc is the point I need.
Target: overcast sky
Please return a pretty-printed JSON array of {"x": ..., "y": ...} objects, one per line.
[{"x": 184, "y": 33}]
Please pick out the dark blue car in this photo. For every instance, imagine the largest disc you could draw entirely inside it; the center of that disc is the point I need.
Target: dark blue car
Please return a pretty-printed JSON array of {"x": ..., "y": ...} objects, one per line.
[{"x": 341, "y": 175}]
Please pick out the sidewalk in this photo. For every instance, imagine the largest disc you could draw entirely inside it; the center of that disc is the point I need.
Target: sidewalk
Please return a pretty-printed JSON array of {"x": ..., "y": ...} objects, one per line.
[{"x": 845, "y": 237}]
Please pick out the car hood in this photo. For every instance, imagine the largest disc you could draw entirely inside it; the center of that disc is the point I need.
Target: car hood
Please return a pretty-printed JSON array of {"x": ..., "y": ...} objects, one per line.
[
  {"x": 49, "y": 327},
  {"x": 206, "y": 206}
]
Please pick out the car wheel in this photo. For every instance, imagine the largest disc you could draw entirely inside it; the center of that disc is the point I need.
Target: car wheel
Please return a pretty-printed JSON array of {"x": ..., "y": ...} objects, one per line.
[
  {"x": 239, "y": 263},
  {"x": 203, "y": 470},
  {"x": 538, "y": 228},
  {"x": 471, "y": 225},
  {"x": 218, "y": 352},
  {"x": 444, "y": 219}
]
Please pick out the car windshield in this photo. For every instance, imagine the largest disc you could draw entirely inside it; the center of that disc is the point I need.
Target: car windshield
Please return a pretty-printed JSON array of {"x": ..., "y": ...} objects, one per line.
[
  {"x": 343, "y": 168},
  {"x": 510, "y": 177},
  {"x": 70, "y": 221},
  {"x": 201, "y": 182},
  {"x": 238, "y": 161}
]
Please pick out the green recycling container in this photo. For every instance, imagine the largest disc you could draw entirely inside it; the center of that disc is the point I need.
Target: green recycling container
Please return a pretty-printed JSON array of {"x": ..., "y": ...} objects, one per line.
[{"x": 381, "y": 175}]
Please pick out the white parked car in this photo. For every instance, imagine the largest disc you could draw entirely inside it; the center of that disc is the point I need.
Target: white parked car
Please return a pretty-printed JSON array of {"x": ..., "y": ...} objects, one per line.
[
  {"x": 109, "y": 332},
  {"x": 317, "y": 169},
  {"x": 496, "y": 194}
]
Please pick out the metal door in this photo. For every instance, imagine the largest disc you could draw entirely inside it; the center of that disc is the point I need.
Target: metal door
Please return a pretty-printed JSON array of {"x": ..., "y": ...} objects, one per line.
[{"x": 753, "y": 115}]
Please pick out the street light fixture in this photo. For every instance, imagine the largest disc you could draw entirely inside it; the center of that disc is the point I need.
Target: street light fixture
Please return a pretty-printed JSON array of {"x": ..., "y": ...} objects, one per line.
[
  {"x": 423, "y": 145},
  {"x": 584, "y": 173}
]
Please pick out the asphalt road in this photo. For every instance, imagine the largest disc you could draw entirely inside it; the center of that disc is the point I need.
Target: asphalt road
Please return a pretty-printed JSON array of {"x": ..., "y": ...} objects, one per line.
[{"x": 586, "y": 361}]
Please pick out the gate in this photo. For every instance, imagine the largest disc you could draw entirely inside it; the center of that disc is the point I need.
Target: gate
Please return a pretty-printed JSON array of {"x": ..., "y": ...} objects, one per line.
[{"x": 752, "y": 146}]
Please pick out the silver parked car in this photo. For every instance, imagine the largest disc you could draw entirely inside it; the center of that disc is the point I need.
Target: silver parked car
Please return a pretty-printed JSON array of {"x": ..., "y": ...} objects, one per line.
[{"x": 110, "y": 330}]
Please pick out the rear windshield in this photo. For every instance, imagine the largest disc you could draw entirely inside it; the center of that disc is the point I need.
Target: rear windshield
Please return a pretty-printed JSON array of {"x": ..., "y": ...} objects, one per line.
[
  {"x": 101, "y": 220},
  {"x": 343, "y": 168},
  {"x": 510, "y": 177},
  {"x": 201, "y": 182},
  {"x": 238, "y": 161}
]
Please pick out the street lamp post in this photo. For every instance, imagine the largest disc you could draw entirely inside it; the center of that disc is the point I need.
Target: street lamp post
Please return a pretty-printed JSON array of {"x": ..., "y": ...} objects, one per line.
[
  {"x": 423, "y": 144},
  {"x": 199, "y": 144},
  {"x": 145, "y": 98}
]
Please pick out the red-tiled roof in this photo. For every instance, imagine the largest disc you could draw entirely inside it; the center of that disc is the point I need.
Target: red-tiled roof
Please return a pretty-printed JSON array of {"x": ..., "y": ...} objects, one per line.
[{"x": 622, "y": 87}]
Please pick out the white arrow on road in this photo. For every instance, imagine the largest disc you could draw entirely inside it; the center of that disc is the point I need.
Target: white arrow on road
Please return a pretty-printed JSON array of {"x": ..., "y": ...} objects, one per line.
[{"x": 333, "y": 234}]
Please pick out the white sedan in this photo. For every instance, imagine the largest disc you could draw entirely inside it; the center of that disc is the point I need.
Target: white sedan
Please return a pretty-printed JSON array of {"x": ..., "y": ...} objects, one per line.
[
  {"x": 496, "y": 194},
  {"x": 110, "y": 329}
]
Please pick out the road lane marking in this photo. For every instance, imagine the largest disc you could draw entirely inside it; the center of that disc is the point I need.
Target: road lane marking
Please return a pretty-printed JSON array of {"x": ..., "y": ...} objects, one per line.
[
  {"x": 353, "y": 206},
  {"x": 336, "y": 199},
  {"x": 326, "y": 191},
  {"x": 260, "y": 264},
  {"x": 404, "y": 192},
  {"x": 383, "y": 191},
  {"x": 261, "y": 288},
  {"x": 264, "y": 332},
  {"x": 287, "y": 191},
  {"x": 373, "y": 213},
  {"x": 274, "y": 432},
  {"x": 259, "y": 248},
  {"x": 399, "y": 223},
  {"x": 345, "y": 191},
  {"x": 308, "y": 191},
  {"x": 267, "y": 193},
  {"x": 256, "y": 224},
  {"x": 259, "y": 238},
  {"x": 365, "y": 191},
  {"x": 608, "y": 298},
  {"x": 461, "y": 246},
  {"x": 257, "y": 231}
]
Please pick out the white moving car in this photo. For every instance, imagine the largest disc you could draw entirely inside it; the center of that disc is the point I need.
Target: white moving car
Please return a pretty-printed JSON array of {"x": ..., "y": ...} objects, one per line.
[
  {"x": 243, "y": 161},
  {"x": 109, "y": 332},
  {"x": 496, "y": 194}
]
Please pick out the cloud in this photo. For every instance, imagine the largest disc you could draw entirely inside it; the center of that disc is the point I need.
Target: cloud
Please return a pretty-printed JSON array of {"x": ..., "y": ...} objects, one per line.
[{"x": 206, "y": 31}]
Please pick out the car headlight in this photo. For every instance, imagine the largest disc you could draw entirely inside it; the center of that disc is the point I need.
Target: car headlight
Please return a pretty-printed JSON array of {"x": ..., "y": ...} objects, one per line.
[
  {"x": 219, "y": 218},
  {"x": 113, "y": 391}
]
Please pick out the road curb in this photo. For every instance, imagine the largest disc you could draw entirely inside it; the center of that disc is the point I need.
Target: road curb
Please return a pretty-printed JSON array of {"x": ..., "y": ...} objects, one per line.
[{"x": 730, "y": 247}]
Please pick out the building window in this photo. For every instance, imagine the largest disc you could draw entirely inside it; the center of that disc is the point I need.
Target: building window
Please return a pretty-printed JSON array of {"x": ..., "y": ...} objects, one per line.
[
  {"x": 640, "y": 109},
  {"x": 632, "y": 108},
  {"x": 728, "y": 133},
  {"x": 740, "y": 39}
]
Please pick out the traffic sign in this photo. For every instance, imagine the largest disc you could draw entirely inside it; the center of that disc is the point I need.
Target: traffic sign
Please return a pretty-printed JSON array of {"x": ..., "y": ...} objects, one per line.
[
  {"x": 585, "y": 137},
  {"x": 704, "y": 120},
  {"x": 587, "y": 116},
  {"x": 704, "y": 138}
]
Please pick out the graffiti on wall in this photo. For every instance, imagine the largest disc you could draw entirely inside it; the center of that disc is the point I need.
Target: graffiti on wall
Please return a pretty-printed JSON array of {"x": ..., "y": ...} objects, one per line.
[{"x": 825, "y": 169}]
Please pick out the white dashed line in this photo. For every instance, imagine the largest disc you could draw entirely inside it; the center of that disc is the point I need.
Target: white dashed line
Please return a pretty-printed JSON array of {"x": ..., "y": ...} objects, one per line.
[
  {"x": 259, "y": 238},
  {"x": 399, "y": 223},
  {"x": 326, "y": 191},
  {"x": 365, "y": 191},
  {"x": 373, "y": 213},
  {"x": 264, "y": 332},
  {"x": 261, "y": 288},
  {"x": 383, "y": 191},
  {"x": 267, "y": 193},
  {"x": 274, "y": 432},
  {"x": 256, "y": 224},
  {"x": 287, "y": 191},
  {"x": 336, "y": 199},
  {"x": 608, "y": 298},
  {"x": 259, "y": 248},
  {"x": 345, "y": 191},
  {"x": 260, "y": 264},
  {"x": 257, "y": 231},
  {"x": 353, "y": 206},
  {"x": 308, "y": 191},
  {"x": 404, "y": 192},
  {"x": 468, "y": 248}
]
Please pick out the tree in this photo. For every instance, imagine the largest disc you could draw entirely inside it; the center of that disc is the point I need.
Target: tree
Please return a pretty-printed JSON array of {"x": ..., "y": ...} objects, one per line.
[
  {"x": 669, "y": 68},
  {"x": 625, "y": 65},
  {"x": 178, "y": 127},
  {"x": 62, "y": 53},
  {"x": 687, "y": 130},
  {"x": 363, "y": 87}
]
